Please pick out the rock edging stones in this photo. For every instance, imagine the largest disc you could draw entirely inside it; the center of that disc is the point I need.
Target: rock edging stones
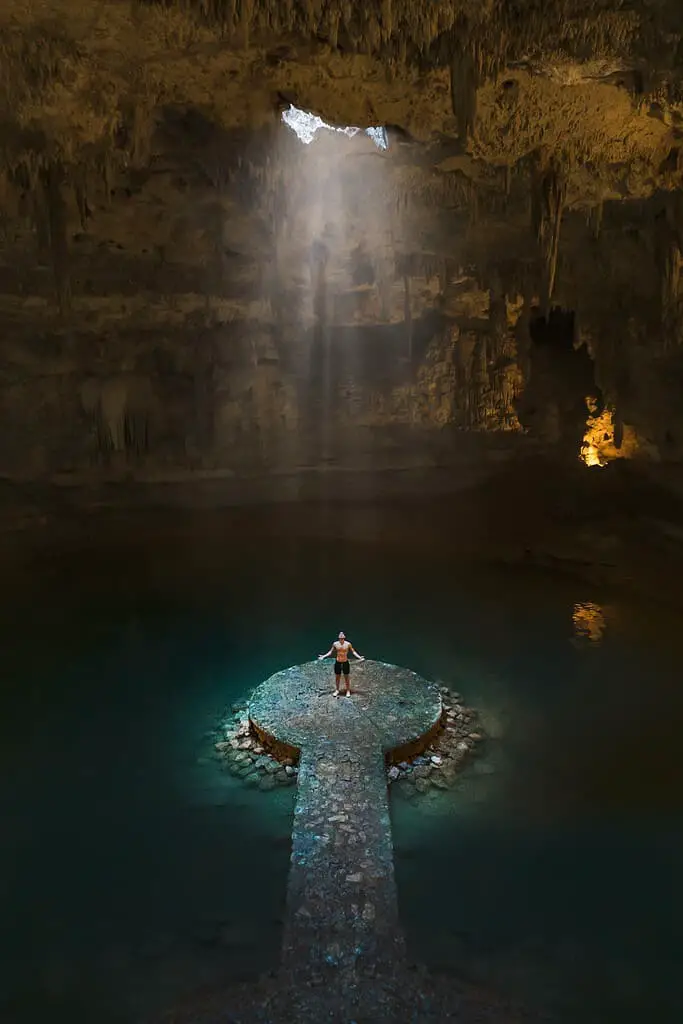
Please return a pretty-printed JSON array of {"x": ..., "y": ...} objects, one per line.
[
  {"x": 247, "y": 759},
  {"x": 458, "y": 739},
  {"x": 453, "y": 744}
]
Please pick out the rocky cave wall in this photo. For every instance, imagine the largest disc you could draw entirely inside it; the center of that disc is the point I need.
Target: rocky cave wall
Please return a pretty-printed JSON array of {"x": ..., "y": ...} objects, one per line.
[{"x": 186, "y": 287}]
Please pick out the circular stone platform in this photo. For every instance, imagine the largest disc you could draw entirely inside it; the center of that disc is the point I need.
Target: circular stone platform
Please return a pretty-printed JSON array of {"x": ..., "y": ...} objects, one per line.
[{"x": 296, "y": 706}]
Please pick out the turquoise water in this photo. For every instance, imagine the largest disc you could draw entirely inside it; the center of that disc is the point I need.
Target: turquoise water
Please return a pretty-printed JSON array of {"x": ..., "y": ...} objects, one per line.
[{"x": 134, "y": 871}]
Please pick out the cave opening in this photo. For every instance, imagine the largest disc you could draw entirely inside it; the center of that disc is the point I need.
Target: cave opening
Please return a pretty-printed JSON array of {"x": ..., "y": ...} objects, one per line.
[{"x": 306, "y": 125}]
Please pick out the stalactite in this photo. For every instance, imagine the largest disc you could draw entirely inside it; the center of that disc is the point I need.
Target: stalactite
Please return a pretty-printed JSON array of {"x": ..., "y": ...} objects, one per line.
[
  {"x": 595, "y": 220},
  {"x": 549, "y": 190},
  {"x": 40, "y": 218},
  {"x": 497, "y": 307},
  {"x": 8, "y": 205},
  {"x": 120, "y": 411},
  {"x": 347, "y": 16},
  {"x": 141, "y": 122},
  {"x": 52, "y": 182},
  {"x": 105, "y": 173},
  {"x": 668, "y": 239},
  {"x": 81, "y": 197},
  {"x": 618, "y": 428},
  {"x": 285, "y": 15},
  {"x": 671, "y": 306},
  {"x": 136, "y": 434},
  {"x": 246, "y": 11},
  {"x": 333, "y": 27},
  {"x": 464, "y": 83},
  {"x": 408, "y": 315},
  {"x": 41, "y": 182},
  {"x": 474, "y": 202},
  {"x": 387, "y": 20},
  {"x": 501, "y": 30},
  {"x": 373, "y": 34}
]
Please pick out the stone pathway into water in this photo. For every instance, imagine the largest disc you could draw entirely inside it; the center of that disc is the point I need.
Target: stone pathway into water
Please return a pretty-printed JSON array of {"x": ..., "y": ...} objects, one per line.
[
  {"x": 342, "y": 917},
  {"x": 343, "y": 955}
]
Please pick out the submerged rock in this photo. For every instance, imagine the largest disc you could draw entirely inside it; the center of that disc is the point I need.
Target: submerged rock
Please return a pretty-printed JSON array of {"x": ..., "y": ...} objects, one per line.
[{"x": 441, "y": 781}]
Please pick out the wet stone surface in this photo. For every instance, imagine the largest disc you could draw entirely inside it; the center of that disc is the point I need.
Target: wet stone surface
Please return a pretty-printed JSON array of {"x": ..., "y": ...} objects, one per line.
[
  {"x": 390, "y": 707},
  {"x": 342, "y": 917}
]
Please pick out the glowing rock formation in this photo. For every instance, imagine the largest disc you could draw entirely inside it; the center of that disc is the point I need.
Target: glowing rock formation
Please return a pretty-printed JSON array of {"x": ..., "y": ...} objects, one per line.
[{"x": 599, "y": 444}]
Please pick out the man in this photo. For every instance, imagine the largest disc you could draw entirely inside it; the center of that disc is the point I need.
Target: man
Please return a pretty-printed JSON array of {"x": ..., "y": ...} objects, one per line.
[{"x": 341, "y": 649}]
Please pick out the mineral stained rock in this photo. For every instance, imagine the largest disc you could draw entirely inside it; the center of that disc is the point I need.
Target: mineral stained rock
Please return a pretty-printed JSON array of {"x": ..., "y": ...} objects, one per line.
[{"x": 187, "y": 290}]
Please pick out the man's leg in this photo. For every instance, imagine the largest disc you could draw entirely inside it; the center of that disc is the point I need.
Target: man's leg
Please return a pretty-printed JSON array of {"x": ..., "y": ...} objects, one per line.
[
  {"x": 347, "y": 678},
  {"x": 337, "y": 679}
]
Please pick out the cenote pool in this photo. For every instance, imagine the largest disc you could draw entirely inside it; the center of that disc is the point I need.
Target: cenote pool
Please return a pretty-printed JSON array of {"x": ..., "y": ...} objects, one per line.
[{"x": 133, "y": 870}]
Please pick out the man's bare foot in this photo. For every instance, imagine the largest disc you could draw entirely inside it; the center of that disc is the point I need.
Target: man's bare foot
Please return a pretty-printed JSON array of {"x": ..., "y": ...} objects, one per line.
[
  {"x": 337, "y": 693},
  {"x": 348, "y": 693}
]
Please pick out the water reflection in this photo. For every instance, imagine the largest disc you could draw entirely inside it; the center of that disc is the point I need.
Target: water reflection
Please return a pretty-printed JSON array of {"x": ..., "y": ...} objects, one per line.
[{"x": 589, "y": 621}]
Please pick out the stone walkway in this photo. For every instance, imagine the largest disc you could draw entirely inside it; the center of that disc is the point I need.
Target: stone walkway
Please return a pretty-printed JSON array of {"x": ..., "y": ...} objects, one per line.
[
  {"x": 342, "y": 918},
  {"x": 343, "y": 957}
]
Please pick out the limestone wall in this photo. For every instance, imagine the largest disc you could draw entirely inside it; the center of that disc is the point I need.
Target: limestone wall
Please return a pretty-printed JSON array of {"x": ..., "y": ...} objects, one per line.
[{"x": 186, "y": 288}]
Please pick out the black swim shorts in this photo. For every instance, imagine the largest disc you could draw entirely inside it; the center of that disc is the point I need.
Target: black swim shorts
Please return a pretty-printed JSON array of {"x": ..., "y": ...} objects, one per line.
[{"x": 341, "y": 666}]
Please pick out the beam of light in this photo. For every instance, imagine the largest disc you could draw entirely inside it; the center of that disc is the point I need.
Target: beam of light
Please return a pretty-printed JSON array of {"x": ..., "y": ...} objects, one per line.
[
  {"x": 333, "y": 272},
  {"x": 306, "y": 125}
]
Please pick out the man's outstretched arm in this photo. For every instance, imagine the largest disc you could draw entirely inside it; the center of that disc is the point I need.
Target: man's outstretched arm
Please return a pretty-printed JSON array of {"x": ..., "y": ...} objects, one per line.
[
  {"x": 355, "y": 652},
  {"x": 321, "y": 656}
]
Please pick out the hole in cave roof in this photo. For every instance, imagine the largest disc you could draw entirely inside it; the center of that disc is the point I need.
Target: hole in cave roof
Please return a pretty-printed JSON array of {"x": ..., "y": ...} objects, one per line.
[{"x": 306, "y": 125}]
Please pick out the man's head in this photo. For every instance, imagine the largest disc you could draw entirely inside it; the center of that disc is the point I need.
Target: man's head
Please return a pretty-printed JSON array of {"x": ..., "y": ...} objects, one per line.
[{"x": 342, "y": 636}]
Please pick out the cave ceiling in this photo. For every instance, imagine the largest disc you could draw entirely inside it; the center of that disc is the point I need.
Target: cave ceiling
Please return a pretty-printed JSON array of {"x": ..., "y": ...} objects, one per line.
[{"x": 148, "y": 188}]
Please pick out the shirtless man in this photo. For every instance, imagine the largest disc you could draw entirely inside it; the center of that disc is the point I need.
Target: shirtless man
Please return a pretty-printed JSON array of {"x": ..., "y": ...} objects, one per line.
[{"x": 341, "y": 649}]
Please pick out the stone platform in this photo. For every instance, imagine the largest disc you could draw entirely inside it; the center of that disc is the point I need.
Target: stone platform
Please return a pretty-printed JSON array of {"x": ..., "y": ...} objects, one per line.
[
  {"x": 392, "y": 708},
  {"x": 342, "y": 926}
]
